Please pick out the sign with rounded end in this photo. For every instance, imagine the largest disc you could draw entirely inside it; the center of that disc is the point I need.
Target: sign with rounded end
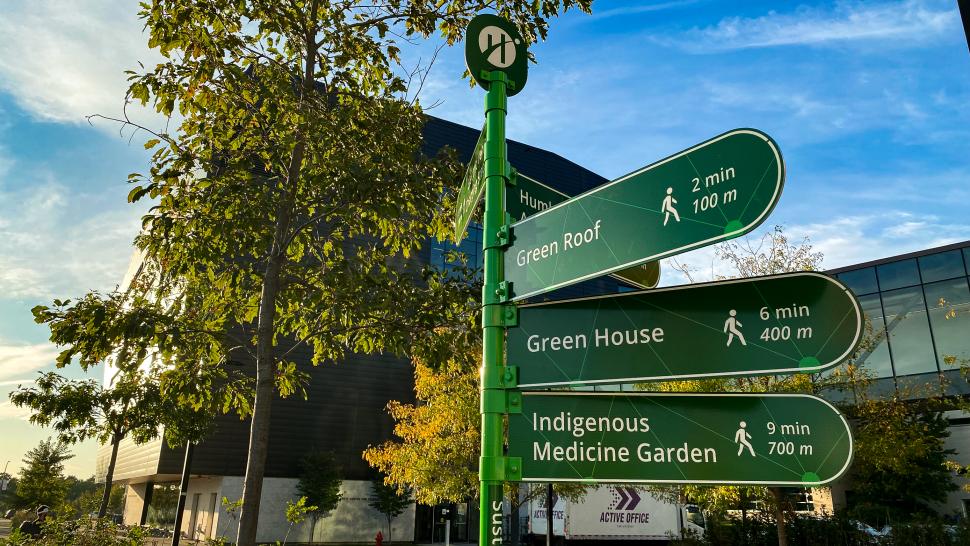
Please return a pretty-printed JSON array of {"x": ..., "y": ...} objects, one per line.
[
  {"x": 493, "y": 43},
  {"x": 735, "y": 439}
]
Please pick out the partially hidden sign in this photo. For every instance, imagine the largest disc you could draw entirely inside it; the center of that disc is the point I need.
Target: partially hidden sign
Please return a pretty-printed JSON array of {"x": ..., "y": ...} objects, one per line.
[
  {"x": 789, "y": 323},
  {"x": 472, "y": 188},
  {"x": 529, "y": 196},
  {"x": 766, "y": 439},
  {"x": 717, "y": 190}
]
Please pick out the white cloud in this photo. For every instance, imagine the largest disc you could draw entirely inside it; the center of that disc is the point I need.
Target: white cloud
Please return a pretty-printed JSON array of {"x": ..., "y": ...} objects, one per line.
[
  {"x": 64, "y": 59},
  {"x": 20, "y": 360},
  {"x": 634, "y": 10},
  {"x": 899, "y": 23},
  {"x": 47, "y": 252},
  {"x": 10, "y": 411}
]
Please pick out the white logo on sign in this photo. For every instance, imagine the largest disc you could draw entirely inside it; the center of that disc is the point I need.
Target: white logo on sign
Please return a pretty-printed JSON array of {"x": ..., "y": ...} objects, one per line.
[{"x": 497, "y": 46}]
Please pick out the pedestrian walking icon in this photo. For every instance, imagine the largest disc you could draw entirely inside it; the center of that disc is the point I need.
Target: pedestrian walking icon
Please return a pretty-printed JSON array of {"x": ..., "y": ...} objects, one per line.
[
  {"x": 668, "y": 206},
  {"x": 732, "y": 328},
  {"x": 741, "y": 438}
]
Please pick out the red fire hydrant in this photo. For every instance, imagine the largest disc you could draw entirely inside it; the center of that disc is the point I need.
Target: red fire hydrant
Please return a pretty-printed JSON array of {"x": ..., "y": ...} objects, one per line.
[{"x": 379, "y": 539}]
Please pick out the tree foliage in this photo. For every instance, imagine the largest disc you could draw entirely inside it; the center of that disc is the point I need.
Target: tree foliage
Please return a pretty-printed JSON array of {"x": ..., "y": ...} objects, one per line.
[
  {"x": 437, "y": 454},
  {"x": 320, "y": 481},
  {"x": 389, "y": 500},
  {"x": 42, "y": 476}
]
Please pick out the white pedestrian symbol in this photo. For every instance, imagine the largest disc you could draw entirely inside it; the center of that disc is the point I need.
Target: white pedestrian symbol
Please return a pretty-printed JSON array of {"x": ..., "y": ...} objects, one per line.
[
  {"x": 741, "y": 438},
  {"x": 731, "y": 326},
  {"x": 668, "y": 206}
]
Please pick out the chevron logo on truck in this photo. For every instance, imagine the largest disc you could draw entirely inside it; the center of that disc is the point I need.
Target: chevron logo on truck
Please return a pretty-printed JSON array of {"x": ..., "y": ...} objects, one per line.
[{"x": 624, "y": 498}]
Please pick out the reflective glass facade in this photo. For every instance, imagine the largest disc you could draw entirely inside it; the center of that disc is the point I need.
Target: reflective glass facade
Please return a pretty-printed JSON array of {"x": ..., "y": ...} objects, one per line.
[{"x": 917, "y": 309}]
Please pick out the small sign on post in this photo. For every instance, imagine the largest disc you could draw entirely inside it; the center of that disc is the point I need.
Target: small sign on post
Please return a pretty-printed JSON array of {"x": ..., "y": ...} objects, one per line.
[
  {"x": 472, "y": 188},
  {"x": 529, "y": 196}
]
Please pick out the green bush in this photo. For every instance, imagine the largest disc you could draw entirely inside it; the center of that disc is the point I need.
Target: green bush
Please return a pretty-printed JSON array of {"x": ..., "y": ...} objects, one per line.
[{"x": 79, "y": 532}]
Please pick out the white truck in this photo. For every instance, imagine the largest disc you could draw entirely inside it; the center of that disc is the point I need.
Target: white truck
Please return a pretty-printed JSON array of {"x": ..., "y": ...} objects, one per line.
[{"x": 614, "y": 512}]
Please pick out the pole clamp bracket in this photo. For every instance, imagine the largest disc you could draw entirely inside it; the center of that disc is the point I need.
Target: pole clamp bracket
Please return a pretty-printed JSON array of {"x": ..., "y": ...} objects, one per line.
[
  {"x": 513, "y": 178},
  {"x": 500, "y": 469},
  {"x": 497, "y": 76},
  {"x": 495, "y": 380},
  {"x": 502, "y": 237},
  {"x": 502, "y": 316}
]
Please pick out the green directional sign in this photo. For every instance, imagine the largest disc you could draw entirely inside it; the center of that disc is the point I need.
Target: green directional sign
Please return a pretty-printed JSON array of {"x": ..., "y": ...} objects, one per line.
[
  {"x": 493, "y": 43},
  {"x": 717, "y": 190},
  {"x": 768, "y": 439},
  {"x": 796, "y": 322},
  {"x": 529, "y": 196},
  {"x": 472, "y": 188}
]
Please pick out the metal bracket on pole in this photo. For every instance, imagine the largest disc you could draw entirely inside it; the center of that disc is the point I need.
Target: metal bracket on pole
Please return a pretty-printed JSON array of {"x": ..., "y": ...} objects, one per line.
[
  {"x": 513, "y": 178},
  {"x": 504, "y": 469},
  {"x": 496, "y": 379},
  {"x": 502, "y": 237},
  {"x": 496, "y": 75},
  {"x": 503, "y": 316}
]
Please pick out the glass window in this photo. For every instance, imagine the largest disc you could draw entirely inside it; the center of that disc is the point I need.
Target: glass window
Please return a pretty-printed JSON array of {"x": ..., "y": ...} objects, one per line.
[
  {"x": 909, "y": 331},
  {"x": 949, "y": 305},
  {"x": 897, "y": 274},
  {"x": 860, "y": 281},
  {"x": 945, "y": 265},
  {"x": 873, "y": 351}
]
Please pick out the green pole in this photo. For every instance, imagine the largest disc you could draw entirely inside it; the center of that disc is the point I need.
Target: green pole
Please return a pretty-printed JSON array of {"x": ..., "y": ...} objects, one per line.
[{"x": 493, "y": 333}]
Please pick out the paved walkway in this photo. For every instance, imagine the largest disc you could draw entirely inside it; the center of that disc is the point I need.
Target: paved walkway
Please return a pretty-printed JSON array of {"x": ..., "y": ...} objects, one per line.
[{"x": 4, "y": 527}]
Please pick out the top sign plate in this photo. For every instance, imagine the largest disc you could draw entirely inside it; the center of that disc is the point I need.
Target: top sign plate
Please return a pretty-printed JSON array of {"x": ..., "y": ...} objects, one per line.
[{"x": 715, "y": 191}]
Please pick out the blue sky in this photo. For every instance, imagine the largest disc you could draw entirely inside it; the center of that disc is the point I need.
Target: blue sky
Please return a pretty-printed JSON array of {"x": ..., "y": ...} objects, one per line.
[{"x": 868, "y": 101}]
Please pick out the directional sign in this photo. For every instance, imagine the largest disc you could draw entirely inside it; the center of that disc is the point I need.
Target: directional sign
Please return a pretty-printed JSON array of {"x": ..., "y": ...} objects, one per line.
[
  {"x": 796, "y": 322},
  {"x": 472, "y": 188},
  {"x": 529, "y": 196},
  {"x": 770, "y": 439},
  {"x": 717, "y": 190},
  {"x": 493, "y": 43}
]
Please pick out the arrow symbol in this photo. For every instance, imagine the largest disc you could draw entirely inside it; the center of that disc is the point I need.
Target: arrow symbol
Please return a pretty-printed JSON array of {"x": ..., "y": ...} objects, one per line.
[
  {"x": 634, "y": 499},
  {"x": 623, "y": 498}
]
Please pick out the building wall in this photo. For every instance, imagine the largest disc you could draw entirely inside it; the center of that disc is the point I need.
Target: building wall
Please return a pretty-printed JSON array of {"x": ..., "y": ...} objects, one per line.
[
  {"x": 352, "y": 521},
  {"x": 134, "y": 503}
]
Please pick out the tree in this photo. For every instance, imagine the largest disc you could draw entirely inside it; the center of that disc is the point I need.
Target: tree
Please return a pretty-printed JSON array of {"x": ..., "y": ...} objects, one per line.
[
  {"x": 389, "y": 500},
  {"x": 291, "y": 187},
  {"x": 900, "y": 467},
  {"x": 319, "y": 484},
  {"x": 435, "y": 455},
  {"x": 42, "y": 477},
  {"x": 79, "y": 410}
]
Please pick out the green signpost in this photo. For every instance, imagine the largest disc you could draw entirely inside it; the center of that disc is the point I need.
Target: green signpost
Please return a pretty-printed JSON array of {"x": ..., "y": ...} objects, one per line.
[
  {"x": 717, "y": 190},
  {"x": 796, "y": 322},
  {"x": 472, "y": 188},
  {"x": 529, "y": 196},
  {"x": 767, "y": 439},
  {"x": 498, "y": 61}
]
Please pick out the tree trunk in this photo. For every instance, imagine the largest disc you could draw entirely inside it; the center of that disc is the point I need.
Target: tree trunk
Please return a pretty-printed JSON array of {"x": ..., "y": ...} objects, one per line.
[
  {"x": 265, "y": 359},
  {"x": 778, "y": 496},
  {"x": 389, "y": 529},
  {"x": 109, "y": 476}
]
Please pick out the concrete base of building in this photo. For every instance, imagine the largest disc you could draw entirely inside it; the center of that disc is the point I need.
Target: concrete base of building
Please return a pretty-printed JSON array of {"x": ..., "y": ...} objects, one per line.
[{"x": 205, "y": 516}]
